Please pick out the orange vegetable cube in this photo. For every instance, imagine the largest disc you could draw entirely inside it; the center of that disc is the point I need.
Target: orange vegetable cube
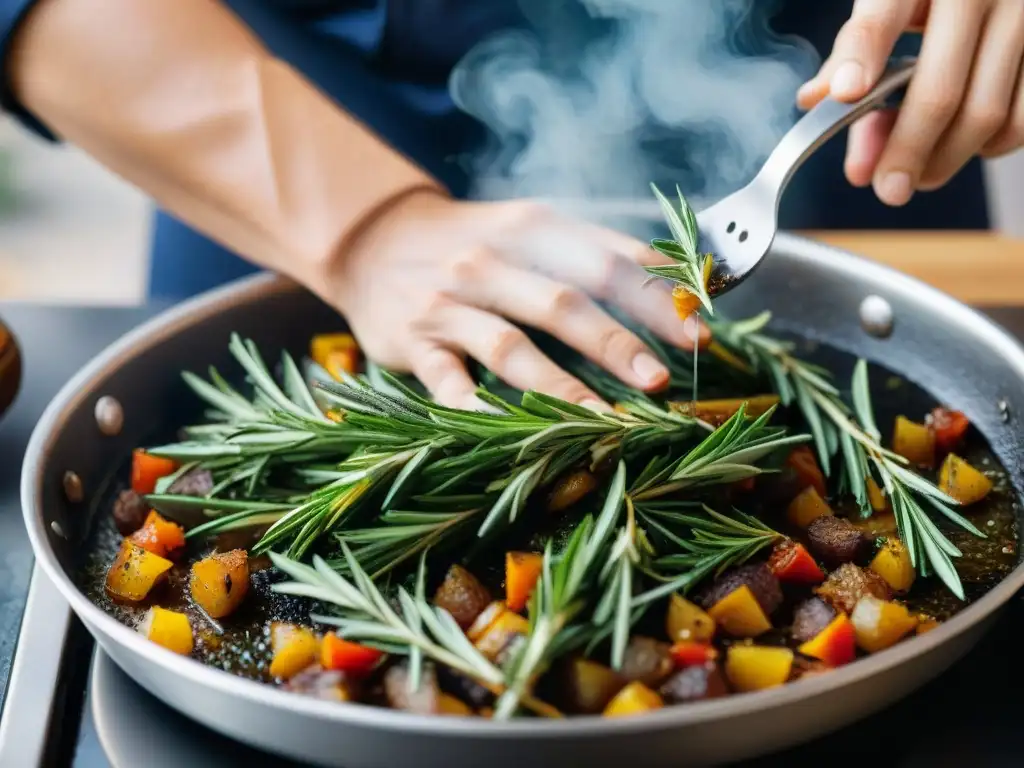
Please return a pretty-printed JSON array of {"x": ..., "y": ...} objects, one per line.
[
  {"x": 685, "y": 302},
  {"x": 686, "y": 621},
  {"x": 335, "y": 350},
  {"x": 294, "y": 647},
  {"x": 914, "y": 442},
  {"x": 634, "y": 699},
  {"x": 892, "y": 563},
  {"x": 522, "y": 569},
  {"x": 803, "y": 461},
  {"x": 691, "y": 654},
  {"x": 880, "y": 624},
  {"x": 926, "y": 624},
  {"x": 169, "y": 629},
  {"x": 835, "y": 645},
  {"x": 483, "y": 622},
  {"x": 348, "y": 657},
  {"x": 147, "y": 469},
  {"x": 717, "y": 412},
  {"x": 949, "y": 427},
  {"x": 218, "y": 583},
  {"x": 963, "y": 482},
  {"x": 452, "y": 707},
  {"x": 792, "y": 564},
  {"x": 158, "y": 535},
  {"x": 500, "y": 633},
  {"x": 756, "y": 667},
  {"x": 135, "y": 572},
  {"x": 739, "y": 614},
  {"x": 876, "y": 497},
  {"x": 571, "y": 489},
  {"x": 807, "y": 507}
]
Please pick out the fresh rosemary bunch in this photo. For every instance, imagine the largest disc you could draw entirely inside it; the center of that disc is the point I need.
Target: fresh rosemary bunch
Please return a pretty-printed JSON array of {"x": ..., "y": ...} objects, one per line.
[{"x": 691, "y": 268}]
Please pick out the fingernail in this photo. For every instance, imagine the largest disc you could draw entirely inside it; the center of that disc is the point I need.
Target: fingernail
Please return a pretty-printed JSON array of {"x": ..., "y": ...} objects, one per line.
[
  {"x": 596, "y": 405},
  {"x": 806, "y": 90},
  {"x": 848, "y": 80},
  {"x": 895, "y": 188},
  {"x": 649, "y": 369}
]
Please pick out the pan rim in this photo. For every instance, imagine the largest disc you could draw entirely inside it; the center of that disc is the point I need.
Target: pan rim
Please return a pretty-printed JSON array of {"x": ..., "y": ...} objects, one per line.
[{"x": 195, "y": 310}]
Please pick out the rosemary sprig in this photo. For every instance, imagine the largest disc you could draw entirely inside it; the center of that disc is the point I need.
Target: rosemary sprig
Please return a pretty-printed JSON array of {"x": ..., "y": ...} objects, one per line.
[{"x": 691, "y": 267}]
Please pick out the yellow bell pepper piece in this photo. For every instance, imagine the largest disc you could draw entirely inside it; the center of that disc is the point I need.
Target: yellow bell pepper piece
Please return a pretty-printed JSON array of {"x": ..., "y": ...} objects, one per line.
[
  {"x": 893, "y": 564},
  {"x": 169, "y": 629},
  {"x": 500, "y": 632},
  {"x": 632, "y": 700},
  {"x": 449, "y": 705},
  {"x": 876, "y": 497},
  {"x": 295, "y": 648},
  {"x": 687, "y": 622},
  {"x": 880, "y": 624},
  {"x": 756, "y": 667},
  {"x": 135, "y": 572},
  {"x": 914, "y": 442},
  {"x": 963, "y": 482},
  {"x": 807, "y": 507},
  {"x": 739, "y": 614}
]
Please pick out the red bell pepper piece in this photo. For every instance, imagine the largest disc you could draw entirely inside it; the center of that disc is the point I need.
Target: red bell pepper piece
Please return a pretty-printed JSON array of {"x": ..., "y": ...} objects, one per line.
[
  {"x": 147, "y": 469},
  {"x": 802, "y": 461},
  {"x": 949, "y": 428},
  {"x": 688, "y": 653},
  {"x": 792, "y": 564},
  {"x": 835, "y": 645},
  {"x": 345, "y": 656}
]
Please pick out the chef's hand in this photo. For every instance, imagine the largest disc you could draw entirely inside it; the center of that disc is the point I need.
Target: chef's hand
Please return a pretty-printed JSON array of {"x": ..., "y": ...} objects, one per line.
[
  {"x": 966, "y": 98},
  {"x": 433, "y": 281}
]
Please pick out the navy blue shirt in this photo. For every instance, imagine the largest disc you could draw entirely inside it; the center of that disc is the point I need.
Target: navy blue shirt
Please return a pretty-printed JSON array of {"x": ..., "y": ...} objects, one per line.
[{"x": 388, "y": 63}]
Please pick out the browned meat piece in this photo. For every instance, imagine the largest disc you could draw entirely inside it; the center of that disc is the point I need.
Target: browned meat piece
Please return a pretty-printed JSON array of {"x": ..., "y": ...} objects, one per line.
[
  {"x": 464, "y": 688},
  {"x": 835, "y": 540},
  {"x": 810, "y": 617},
  {"x": 703, "y": 681},
  {"x": 849, "y": 583},
  {"x": 197, "y": 482},
  {"x": 462, "y": 595},
  {"x": 647, "y": 661},
  {"x": 423, "y": 701},
  {"x": 758, "y": 577},
  {"x": 129, "y": 512},
  {"x": 322, "y": 684}
]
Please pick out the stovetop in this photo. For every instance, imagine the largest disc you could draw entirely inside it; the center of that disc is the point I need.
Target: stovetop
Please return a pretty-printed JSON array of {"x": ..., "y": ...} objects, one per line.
[{"x": 59, "y": 709}]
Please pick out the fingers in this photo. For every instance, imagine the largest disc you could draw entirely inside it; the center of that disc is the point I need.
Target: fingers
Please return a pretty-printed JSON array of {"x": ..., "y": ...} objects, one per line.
[
  {"x": 1011, "y": 136},
  {"x": 563, "y": 311},
  {"x": 444, "y": 375},
  {"x": 861, "y": 50},
  {"x": 933, "y": 98},
  {"x": 864, "y": 145},
  {"x": 990, "y": 94}
]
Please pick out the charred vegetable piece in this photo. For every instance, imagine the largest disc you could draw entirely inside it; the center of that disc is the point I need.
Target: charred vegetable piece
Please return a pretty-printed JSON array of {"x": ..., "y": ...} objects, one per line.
[
  {"x": 135, "y": 572},
  {"x": 717, "y": 412},
  {"x": 483, "y": 622},
  {"x": 876, "y": 497},
  {"x": 571, "y": 489},
  {"x": 740, "y": 614},
  {"x": 424, "y": 700},
  {"x": 647, "y": 661},
  {"x": 834, "y": 540},
  {"x": 802, "y": 460},
  {"x": 881, "y": 623},
  {"x": 218, "y": 583},
  {"x": 807, "y": 507},
  {"x": 147, "y": 469},
  {"x": 464, "y": 688},
  {"x": 963, "y": 482},
  {"x": 688, "y": 622},
  {"x": 835, "y": 645},
  {"x": 169, "y": 629},
  {"x": 758, "y": 577},
  {"x": 462, "y": 595},
  {"x": 848, "y": 584},
  {"x": 892, "y": 563},
  {"x": 949, "y": 428},
  {"x": 159, "y": 536},
  {"x": 320, "y": 683},
  {"x": 502, "y": 631},
  {"x": 196, "y": 482},
  {"x": 588, "y": 686},
  {"x": 348, "y": 657},
  {"x": 634, "y": 699},
  {"x": 695, "y": 683},
  {"x": 756, "y": 667},
  {"x": 522, "y": 569},
  {"x": 688, "y": 653},
  {"x": 810, "y": 617},
  {"x": 295, "y": 648},
  {"x": 914, "y": 442},
  {"x": 792, "y": 564},
  {"x": 338, "y": 353},
  {"x": 129, "y": 512}
]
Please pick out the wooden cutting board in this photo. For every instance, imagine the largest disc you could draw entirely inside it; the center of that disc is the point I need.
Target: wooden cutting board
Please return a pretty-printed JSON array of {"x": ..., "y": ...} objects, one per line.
[{"x": 979, "y": 268}]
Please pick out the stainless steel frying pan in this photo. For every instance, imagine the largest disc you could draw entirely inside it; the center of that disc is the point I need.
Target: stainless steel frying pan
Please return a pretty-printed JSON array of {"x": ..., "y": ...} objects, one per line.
[{"x": 956, "y": 354}]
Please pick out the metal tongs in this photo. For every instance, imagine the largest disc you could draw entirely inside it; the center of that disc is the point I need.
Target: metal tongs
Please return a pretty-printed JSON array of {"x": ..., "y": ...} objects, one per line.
[{"x": 739, "y": 229}]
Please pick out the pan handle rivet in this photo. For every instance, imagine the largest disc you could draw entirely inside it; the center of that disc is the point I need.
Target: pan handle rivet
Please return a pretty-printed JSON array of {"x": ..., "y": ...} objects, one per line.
[
  {"x": 109, "y": 415},
  {"x": 73, "y": 488},
  {"x": 876, "y": 316},
  {"x": 55, "y": 527}
]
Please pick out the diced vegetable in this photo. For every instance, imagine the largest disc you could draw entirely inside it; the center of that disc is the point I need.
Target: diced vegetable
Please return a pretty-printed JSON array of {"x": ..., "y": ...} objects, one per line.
[
  {"x": 879, "y": 524},
  {"x": 914, "y": 442},
  {"x": 687, "y": 653},
  {"x": 147, "y": 469},
  {"x": 135, "y": 572},
  {"x": 792, "y": 564},
  {"x": 757, "y": 576},
  {"x": 571, "y": 489},
  {"x": 462, "y": 595},
  {"x": 634, "y": 699},
  {"x": 483, "y": 622},
  {"x": 348, "y": 657},
  {"x": 502, "y": 631},
  {"x": 835, "y": 645},
  {"x": 336, "y": 352},
  {"x": 717, "y": 412},
  {"x": 170, "y": 629},
  {"x": 756, "y": 667},
  {"x": 159, "y": 536},
  {"x": 892, "y": 563},
  {"x": 739, "y": 614},
  {"x": 696, "y": 683},
  {"x": 807, "y": 507},
  {"x": 422, "y": 700},
  {"x": 880, "y": 623},
  {"x": 453, "y": 707},
  {"x": 320, "y": 683},
  {"x": 589, "y": 686},
  {"x": 647, "y": 661},
  {"x": 963, "y": 482},
  {"x": 218, "y": 583},
  {"x": 685, "y": 302},
  {"x": 522, "y": 569},
  {"x": 926, "y": 624},
  {"x": 876, "y": 497},
  {"x": 949, "y": 428},
  {"x": 810, "y": 617},
  {"x": 802, "y": 460},
  {"x": 294, "y": 648},
  {"x": 686, "y": 621}
]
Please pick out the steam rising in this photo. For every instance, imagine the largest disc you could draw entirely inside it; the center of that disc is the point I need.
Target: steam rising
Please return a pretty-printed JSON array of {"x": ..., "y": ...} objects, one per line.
[{"x": 601, "y": 102}]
